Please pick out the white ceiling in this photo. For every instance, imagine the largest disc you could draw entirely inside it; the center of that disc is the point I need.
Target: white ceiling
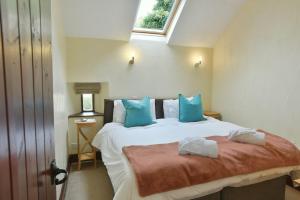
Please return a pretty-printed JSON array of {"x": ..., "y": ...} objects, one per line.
[
  {"x": 202, "y": 21},
  {"x": 108, "y": 19},
  {"x": 199, "y": 24}
]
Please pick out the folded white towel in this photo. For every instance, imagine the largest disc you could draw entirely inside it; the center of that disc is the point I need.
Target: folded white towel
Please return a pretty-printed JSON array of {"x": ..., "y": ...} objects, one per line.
[
  {"x": 250, "y": 136},
  {"x": 198, "y": 146}
]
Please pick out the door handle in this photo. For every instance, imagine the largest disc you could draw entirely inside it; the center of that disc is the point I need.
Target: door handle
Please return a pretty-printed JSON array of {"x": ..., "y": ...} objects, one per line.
[{"x": 55, "y": 171}]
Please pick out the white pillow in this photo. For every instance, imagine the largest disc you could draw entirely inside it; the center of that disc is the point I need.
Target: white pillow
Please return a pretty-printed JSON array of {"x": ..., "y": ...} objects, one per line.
[
  {"x": 119, "y": 111},
  {"x": 171, "y": 108}
]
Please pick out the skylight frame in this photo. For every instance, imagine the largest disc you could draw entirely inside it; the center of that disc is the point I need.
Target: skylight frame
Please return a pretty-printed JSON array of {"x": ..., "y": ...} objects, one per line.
[{"x": 165, "y": 30}]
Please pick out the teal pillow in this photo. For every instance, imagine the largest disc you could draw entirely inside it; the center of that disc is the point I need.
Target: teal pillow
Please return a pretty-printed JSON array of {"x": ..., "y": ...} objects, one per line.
[
  {"x": 190, "y": 110},
  {"x": 138, "y": 112}
]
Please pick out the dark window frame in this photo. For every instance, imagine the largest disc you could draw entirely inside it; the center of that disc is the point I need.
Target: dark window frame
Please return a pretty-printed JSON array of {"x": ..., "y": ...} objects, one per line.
[{"x": 93, "y": 99}]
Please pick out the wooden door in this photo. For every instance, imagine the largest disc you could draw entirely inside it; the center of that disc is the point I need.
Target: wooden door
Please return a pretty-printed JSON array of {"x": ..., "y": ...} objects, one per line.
[{"x": 26, "y": 100}]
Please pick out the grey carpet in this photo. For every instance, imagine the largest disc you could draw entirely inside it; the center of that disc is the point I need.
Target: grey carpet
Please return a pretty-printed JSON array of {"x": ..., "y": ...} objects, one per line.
[{"x": 89, "y": 183}]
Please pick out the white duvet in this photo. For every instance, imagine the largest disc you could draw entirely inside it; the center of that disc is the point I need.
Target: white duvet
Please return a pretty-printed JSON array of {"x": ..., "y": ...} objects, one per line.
[{"x": 114, "y": 136}]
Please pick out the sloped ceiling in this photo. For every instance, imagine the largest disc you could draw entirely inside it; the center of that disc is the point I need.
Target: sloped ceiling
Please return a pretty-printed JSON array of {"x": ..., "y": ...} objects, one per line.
[
  {"x": 108, "y": 19},
  {"x": 202, "y": 21},
  {"x": 199, "y": 24}
]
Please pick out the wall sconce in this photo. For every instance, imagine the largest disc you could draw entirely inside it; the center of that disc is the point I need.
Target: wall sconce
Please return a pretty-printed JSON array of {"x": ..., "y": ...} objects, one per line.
[
  {"x": 197, "y": 64},
  {"x": 131, "y": 61}
]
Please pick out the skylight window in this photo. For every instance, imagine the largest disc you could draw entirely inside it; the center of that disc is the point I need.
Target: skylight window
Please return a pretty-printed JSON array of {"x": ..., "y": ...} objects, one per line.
[{"x": 155, "y": 16}]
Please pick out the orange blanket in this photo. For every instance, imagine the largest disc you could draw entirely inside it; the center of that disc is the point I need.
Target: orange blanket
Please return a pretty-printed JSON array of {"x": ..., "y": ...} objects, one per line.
[{"x": 159, "y": 168}]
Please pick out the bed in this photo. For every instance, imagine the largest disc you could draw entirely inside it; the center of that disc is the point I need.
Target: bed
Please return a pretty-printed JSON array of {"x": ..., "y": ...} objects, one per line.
[{"x": 264, "y": 185}]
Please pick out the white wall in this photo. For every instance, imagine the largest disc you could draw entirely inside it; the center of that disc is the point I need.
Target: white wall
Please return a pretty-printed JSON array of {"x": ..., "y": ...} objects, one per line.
[
  {"x": 256, "y": 73},
  {"x": 59, "y": 89},
  {"x": 159, "y": 70}
]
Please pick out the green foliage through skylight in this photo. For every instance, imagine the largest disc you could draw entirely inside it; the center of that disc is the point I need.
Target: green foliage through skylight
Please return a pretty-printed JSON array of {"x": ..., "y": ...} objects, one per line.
[{"x": 154, "y": 17}]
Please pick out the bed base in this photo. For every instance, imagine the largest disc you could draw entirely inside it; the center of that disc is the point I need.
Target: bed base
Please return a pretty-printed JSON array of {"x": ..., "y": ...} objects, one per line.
[
  {"x": 273, "y": 189},
  {"x": 214, "y": 196}
]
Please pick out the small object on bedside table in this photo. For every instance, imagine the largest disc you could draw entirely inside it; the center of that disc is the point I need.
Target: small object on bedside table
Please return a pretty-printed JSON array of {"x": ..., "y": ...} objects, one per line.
[
  {"x": 215, "y": 115},
  {"x": 297, "y": 182},
  {"x": 85, "y": 123}
]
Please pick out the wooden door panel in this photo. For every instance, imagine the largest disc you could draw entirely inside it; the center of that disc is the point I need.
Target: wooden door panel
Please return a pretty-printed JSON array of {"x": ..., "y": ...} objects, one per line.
[
  {"x": 26, "y": 100},
  {"x": 28, "y": 97},
  {"x": 38, "y": 95},
  {"x": 5, "y": 189},
  {"x": 48, "y": 91},
  {"x": 11, "y": 57}
]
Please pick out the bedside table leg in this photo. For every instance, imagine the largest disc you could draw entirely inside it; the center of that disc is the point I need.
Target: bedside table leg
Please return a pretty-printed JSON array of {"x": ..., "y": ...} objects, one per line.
[
  {"x": 95, "y": 157},
  {"x": 78, "y": 147},
  {"x": 79, "y": 163},
  {"x": 94, "y": 150}
]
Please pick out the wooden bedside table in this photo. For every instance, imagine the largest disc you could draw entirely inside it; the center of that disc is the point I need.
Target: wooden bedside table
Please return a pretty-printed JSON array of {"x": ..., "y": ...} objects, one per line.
[
  {"x": 88, "y": 123},
  {"x": 215, "y": 115}
]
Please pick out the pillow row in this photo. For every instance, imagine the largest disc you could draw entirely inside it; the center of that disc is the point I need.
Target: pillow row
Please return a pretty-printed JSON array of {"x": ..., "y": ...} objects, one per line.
[{"x": 142, "y": 112}]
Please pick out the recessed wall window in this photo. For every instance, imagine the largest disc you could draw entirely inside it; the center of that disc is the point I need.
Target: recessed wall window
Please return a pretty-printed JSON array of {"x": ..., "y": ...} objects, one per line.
[
  {"x": 155, "y": 16},
  {"x": 87, "y": 103}
]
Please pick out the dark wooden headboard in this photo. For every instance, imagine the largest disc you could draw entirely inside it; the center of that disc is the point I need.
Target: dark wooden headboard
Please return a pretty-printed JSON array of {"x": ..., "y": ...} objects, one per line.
[{"x": 109, "y": 109}]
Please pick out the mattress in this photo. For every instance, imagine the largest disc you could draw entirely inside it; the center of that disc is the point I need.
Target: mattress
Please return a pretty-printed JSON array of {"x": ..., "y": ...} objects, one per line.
[{"x": 114, "y": 136}]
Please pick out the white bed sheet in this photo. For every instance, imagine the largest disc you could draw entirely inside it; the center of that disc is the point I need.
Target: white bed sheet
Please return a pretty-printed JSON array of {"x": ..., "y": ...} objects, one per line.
[{"x": 114, "y": 136}]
